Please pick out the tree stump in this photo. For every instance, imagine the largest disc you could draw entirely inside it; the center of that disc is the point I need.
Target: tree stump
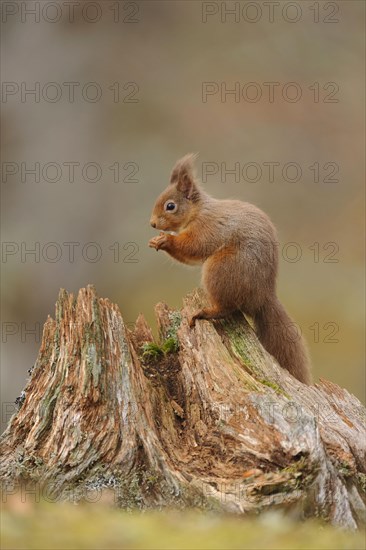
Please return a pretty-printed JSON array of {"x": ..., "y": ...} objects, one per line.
[{"x": 205, "y": 417}]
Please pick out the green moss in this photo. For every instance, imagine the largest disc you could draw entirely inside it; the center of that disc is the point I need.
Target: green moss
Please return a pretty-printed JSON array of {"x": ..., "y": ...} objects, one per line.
[
  {"x": 249, "y": 382},
  {"x": 239, "y": 343},
  {"x": 151, "y": 352},
  {"x": 243, "y": 347},
  {"x": 274, "y": 386},
  {"x": 170, "y": 345}
]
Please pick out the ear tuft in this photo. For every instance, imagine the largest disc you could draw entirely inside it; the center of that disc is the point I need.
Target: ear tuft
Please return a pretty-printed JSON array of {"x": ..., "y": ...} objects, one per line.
[
  {"x": 184, "y": 176},
  {"x": 184, "y": 166}
]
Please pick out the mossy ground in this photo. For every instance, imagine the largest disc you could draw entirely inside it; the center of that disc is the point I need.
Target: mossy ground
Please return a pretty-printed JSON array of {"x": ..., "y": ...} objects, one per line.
[{"x": 91, "y": 526}]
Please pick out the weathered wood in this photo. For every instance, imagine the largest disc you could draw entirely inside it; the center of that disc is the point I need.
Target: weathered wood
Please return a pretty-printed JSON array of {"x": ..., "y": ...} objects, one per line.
[{"x": 204, "y": 418}]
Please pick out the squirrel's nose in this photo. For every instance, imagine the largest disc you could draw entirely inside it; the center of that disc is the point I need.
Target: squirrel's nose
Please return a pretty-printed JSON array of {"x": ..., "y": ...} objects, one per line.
[{"x": 153, "y": 224}]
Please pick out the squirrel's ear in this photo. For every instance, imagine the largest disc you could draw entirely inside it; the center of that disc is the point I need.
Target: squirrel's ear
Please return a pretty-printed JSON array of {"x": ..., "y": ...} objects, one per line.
[{"x": 183, "y": 176}]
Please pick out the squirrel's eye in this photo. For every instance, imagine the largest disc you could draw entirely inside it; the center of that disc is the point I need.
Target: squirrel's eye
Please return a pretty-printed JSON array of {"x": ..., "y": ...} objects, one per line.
[{"x": 170, "y": 206}]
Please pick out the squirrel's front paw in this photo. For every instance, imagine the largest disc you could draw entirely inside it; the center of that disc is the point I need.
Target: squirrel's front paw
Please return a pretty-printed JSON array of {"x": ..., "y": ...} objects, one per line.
[{"x": 159, "y": 242}]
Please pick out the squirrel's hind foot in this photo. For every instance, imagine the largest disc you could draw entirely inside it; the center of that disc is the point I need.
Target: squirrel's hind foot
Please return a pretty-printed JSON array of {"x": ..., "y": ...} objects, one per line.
[{"x": 208, "y": 314}]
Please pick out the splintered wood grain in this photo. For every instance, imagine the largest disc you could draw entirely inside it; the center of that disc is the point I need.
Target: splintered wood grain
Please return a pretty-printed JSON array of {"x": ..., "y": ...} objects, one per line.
[{"x": 216, "y": 423}]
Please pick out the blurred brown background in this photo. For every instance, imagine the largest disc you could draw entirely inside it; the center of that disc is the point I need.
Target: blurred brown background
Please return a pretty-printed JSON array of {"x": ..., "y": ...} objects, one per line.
[{"x": 149, "y": 62}]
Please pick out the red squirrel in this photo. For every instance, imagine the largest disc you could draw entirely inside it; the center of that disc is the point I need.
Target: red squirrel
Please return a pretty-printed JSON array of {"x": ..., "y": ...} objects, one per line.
[{"x": 237, "y": 244}]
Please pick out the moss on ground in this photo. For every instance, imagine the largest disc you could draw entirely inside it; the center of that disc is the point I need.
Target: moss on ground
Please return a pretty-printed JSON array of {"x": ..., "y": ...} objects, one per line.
[{"x": 91, "y": 526}]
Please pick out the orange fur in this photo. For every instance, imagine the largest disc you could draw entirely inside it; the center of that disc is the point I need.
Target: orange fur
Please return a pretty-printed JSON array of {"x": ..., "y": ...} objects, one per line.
[{"x": 237, "y": 244}]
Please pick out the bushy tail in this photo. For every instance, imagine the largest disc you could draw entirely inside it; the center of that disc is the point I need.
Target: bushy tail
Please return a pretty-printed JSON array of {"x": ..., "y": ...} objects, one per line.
[{"x": 281, "y": 337}]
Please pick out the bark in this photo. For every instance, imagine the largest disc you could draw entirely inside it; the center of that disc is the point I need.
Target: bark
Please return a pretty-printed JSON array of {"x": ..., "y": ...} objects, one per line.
[{"x": 203, "y": 418}]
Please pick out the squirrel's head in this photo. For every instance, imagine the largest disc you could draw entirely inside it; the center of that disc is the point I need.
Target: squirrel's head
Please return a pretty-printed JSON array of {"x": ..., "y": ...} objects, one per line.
[{"x": 176, "y": 205}]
